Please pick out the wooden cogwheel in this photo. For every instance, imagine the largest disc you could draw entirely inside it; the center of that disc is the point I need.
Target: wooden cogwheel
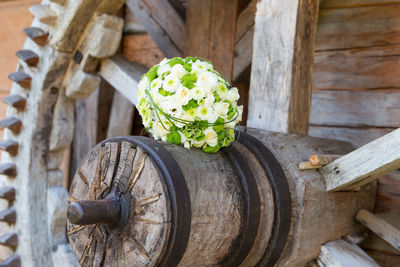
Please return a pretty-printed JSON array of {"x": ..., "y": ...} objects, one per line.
[
  {"x": 122, "y": 171},
  {"x": 65, "y": 45}
]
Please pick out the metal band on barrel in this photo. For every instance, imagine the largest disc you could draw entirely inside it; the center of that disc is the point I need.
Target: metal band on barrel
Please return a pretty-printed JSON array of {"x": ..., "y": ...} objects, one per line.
[{"x": 282, "y": 198}]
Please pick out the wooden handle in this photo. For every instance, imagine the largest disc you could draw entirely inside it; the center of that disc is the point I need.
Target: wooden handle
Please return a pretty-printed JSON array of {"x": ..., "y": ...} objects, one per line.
[{"x": 85, "y": 212}]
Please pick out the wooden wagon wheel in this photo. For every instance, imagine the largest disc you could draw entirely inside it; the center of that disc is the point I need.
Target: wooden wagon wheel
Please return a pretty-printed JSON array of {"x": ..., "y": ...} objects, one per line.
[{"x": 59, "y": 63}]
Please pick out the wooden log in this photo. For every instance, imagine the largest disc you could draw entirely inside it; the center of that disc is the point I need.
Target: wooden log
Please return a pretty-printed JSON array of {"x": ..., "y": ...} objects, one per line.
[
  {"x": 121, "y": 116},
  {"x": 123, "y": 75},
  {"x": 121, "y": 165},
  {"x": 316, "y": 159},
  {"x": 283, "y": 55},
  {"x": 211, "y": 32},
  {"x": 385, "y": 225},
  {"x": 342, "y": 253},
  {"x": 162, "y": 22},
  {"x": 364, "y": 165}
]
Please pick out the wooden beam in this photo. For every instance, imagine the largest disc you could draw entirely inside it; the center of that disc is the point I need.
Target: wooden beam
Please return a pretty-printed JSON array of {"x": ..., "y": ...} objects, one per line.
[
  {"x": 386, "y": 225},
  {"x": 364, "y": 164},
  {"x": 123, "y": 75},
  {"x": 121, "y": 116},
  {"x": 342, "y": 253},
  {"x": 162, "y": 22},
  {"x": 283, "y": 58},
  {"x": 210, "y": 32}
]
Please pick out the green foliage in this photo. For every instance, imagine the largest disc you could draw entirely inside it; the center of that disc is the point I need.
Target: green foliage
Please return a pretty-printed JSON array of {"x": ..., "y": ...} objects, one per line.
[
  {"x": 174, "y": 137},
  {"x": 192, "y": 104},
  {"x": 164, "y": 93},
  {"x": 212, "y": 149},
  {"x": 176, "y": 60},
  {"x": 152, "y": 73},
  {"x": 219, "y": 125},
  {"x": 188, "y": 80}
]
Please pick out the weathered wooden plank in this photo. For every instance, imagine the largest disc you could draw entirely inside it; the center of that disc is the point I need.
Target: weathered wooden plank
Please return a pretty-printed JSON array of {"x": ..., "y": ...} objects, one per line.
[
  {"x": 132, "y": 23},
  {"x": 280, "y": 90},
  {"x": 121, "y": 116},
  {"x": 355, "y": 3},
  {"x": 386, "y": 225},
  {"x": 387, "y": 196},
  {"x": 350, "y": 108},
  {"x": 383, "y": 259},
  {"x": 210, "y": 32},
  {"x": 340, "y": 253},
  {"x": 358, "y": 68},
  {"x": 356, "y": 136},
  {"x": 162, "y": 22},
  {"x": 123, "y": 75},
  {"x": 344, "y": 28},
  {"x": 365, "y": 164}
]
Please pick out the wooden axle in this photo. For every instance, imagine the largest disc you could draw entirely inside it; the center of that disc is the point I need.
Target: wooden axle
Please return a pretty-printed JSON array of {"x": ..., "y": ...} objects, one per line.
[{"x": 105, "y": 211}]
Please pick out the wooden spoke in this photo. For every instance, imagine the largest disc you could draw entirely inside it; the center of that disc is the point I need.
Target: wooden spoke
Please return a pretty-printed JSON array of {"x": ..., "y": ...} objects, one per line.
[
  {"x": 21, "y": 78},
  {"x": 9, "y": 240},
  {"x": 75, "y": 230},
  {"x": 9, "y": 169},
  {"x": 83, "y": 177},
  {"x": 140, "y": 248},
  {"x": 16, "y": 101},
  {"x": 148, "y": 200},
  {"x": 8, "y": 215},
  {"x": 29, "y": 57},
  {"x": 13, "y": 261},
  {"x": 43, "y": 13},
  {"x": 37, "y": 35},
  {"x": 9, "y": 146},
  {"x": 146, "y": 220},
  {"x": 136, "y": 171},
  {"x": 7, "y": 193}
]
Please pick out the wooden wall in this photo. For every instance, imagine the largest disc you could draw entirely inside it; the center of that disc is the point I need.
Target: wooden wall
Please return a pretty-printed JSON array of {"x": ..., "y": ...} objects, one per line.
[{"x": 356, "y": 84}]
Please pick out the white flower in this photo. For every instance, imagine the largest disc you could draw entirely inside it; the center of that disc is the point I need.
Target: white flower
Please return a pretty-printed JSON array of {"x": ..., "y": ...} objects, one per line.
[
  {"x": 221, "y": 89},
  {"x": 143, "y": 84},
  {"x": 233, "y": 95},
  {"x": 212, "y": 117},
  {"x": 178, "y": 70},
  {"x": 206, "y": 80},
  {"x": 161, "y": 129},
  {"x": 184, "y": 117},
  {"x": 170, "y": 107},
  {"x": 156, "y": 84},
  {"x": 198, "y": 93},
  {"x": 203, "y": 112},
  {"x": 182, "y": 95},
  {"x": 209, "y": 100},
  {"x": 198, "y": 144},
  {"x": 186, "y": 145},
  {"x": 163, "y": 62},
  {"x": 157, "y": 97},
  {"x": 200, "y": 66},
  {"x": 211, "y": 136},
  {"x": 163, "y": 69},
  {"x": 171, "y": 83},
  {"x": 192, "y": 113},
  {"x": 221, "y": 108}
]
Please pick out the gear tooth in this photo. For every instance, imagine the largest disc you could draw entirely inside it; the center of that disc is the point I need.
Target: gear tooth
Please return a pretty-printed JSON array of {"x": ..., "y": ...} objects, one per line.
[
  {"x": 16, "y": 101},
  {"x": 13, "y": 261},
  {"x": 12, "y": 123},
  {"x": 9, "y": 240},
  {"x": 60, "y": 2},
  {"x": 23, "y": 79},
  {"x": 9, "y": 146},
  {"x": 43, "y": 13},
  {"x": 37, "y": 35},
  {"x": 9, "y": 169},
  {"x": 29, "y": 57},
  {"x": 8, "y": 193},
  {"x": 8, "y": 216}
]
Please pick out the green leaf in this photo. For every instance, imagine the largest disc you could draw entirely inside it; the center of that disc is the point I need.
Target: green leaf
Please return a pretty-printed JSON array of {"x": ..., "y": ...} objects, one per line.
[
  {"x": 231, "y": 113},
  {"x": 152, "y": 73},
  {"x": 164, "y": 93},
  {"x": 188, "y": 80},
  {"x": 219, "y": 125},
  {"x": 176, "y": 60},
  {"x": 192, "y": 104},
  {"x": 216, "y": 97},
  {"x": 174, "y": 137},
  {"x": 212, "y": 149}
]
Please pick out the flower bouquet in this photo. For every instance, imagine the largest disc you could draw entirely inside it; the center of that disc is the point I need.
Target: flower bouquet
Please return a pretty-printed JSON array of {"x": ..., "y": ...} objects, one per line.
[{"x": 186, "y": 101}]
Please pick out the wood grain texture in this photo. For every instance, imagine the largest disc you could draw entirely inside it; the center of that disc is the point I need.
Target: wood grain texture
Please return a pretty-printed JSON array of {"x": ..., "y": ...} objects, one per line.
[
  {"x": 121, "y": 116},
  {"x": 386, "y": 225},
  {"x": 358, "y": 68},
  {"x": 162, "y": 22},
  {"x": 383, "y": 259},
  {"x": 210, "y": 32},
  {"x": 341, "y": 253},
  {"x": 283, "y": 50},
  {"x": 364, "y": 164},
  {"x": 356, "y": 3},
  {"x": 123, "y": 75},
  {"x": 355, "y": 109}
]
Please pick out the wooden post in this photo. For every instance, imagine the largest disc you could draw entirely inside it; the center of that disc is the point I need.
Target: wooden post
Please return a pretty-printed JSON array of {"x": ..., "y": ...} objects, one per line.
[
  {"x": 365, "y": 164},
  {"x": 283, "y": 56},
  {"x": 210, "y": 32}
]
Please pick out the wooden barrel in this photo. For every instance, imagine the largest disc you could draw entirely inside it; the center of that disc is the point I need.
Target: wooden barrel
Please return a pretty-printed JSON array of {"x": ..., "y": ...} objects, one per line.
[{"x": 247, "y": 206}]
